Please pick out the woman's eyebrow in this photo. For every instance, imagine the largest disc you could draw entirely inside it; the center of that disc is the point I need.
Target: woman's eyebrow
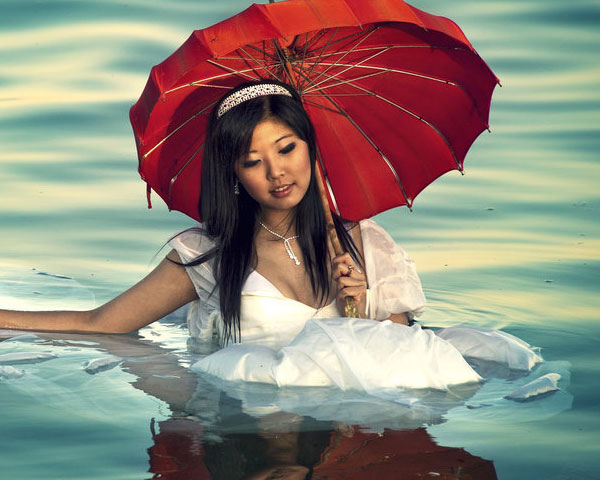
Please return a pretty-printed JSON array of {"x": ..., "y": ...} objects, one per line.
[
  {"x": 278, "y": 140},
  {"x": 285, "y": 136}
]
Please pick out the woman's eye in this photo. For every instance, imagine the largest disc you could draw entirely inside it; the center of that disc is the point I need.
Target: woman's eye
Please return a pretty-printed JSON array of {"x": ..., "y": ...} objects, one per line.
[
  {"x": 288, "y": 148},
  {"x": 250, "y": 163}
]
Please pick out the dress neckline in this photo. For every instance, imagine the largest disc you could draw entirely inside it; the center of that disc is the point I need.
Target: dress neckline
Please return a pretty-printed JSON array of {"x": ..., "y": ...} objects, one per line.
[{"x": 270, "y": 287}]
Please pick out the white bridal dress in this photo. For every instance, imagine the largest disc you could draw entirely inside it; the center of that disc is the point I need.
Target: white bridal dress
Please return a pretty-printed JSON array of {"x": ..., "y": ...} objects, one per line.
[{"x": 287, "y": 343}]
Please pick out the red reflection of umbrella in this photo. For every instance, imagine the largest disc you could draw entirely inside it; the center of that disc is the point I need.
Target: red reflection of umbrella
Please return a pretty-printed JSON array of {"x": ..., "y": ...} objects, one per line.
[
  {"x": 397, "y": 97},
  {"x": 406, "y": 455}
]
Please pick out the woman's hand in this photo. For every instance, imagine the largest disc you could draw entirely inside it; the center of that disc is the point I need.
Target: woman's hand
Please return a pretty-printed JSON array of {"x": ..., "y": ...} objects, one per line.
[{"x": 351, "y": 282}]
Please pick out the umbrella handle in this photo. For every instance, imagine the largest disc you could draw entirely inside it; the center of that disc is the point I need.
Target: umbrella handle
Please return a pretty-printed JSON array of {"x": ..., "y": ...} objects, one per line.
[{"x": 350, "y": 309}]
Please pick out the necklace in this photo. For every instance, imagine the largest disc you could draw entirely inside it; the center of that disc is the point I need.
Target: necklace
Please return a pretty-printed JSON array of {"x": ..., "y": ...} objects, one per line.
[{"x": 286, "y": 243}]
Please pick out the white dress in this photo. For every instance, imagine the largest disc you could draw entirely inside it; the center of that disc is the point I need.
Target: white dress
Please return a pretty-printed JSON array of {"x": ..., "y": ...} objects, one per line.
[{"x": 285, "y": 342}]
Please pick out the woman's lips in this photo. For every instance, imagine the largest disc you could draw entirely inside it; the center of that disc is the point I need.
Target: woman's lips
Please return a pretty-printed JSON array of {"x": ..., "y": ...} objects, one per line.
[{"x": 281, "y": 191}]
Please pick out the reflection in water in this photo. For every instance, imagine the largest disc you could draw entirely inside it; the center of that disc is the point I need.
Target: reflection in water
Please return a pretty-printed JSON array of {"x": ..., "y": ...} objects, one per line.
[
  {"x": 238, "y": 430},
  {"x": 226, "y": 442},
  {"x": 339, "y": 453}
]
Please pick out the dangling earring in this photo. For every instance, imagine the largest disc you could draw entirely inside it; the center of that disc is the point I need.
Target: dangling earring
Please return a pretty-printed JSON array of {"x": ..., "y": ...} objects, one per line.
[{"x": 236, "y": 187}]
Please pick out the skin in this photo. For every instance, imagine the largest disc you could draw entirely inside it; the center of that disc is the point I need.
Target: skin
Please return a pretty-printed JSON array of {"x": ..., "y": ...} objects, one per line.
[{"x": 277, "y": 158}]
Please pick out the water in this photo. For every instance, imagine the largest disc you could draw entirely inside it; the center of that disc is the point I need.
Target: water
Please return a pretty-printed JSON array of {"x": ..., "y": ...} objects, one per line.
[{"x": 513, "y": 244}]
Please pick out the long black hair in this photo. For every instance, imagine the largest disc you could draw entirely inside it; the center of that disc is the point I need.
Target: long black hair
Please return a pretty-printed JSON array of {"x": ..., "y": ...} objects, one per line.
[{"x": 231, "y": 219}]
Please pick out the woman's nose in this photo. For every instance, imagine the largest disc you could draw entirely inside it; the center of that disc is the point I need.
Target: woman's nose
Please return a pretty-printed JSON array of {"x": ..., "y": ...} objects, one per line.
[{"x": 275, "y": 168}]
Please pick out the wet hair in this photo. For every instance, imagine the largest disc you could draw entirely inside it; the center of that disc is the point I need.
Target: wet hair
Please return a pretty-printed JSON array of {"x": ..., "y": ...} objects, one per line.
[{"x": 231, "y": 219}]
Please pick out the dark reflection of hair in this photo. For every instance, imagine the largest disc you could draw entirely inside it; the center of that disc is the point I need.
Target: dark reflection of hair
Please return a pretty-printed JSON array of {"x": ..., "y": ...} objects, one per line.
[
  {"x": 242, "y": 456},
  {"x": 261, "y": 444},
  {"x": 337, "y": 454},
  {"x": 180, "y": 451}
]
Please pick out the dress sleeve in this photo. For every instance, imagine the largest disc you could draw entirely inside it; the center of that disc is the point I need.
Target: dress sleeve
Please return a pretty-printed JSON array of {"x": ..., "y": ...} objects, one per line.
[
  {"x": 393, "y": 283},
  {"x": 190, "y": 244}
]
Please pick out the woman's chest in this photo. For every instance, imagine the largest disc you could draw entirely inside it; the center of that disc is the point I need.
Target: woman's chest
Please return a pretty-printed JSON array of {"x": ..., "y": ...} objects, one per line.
[{"x": 292, "y": 280}]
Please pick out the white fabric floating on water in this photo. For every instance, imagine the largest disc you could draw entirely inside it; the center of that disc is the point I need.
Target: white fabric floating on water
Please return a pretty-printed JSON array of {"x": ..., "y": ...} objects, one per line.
[
  {"x": 10, "y": 373},
  {"x": 25, "y": 357},
  {"x": 97, "y": 365},
  {"x": 358, "y": 354},
  {"x": 539, "y": 386},
  {"x": 491, "y": 345}
]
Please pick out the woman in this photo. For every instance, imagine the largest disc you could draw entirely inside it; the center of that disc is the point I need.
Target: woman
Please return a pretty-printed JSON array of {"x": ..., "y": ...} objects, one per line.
[
  {"x": 260, "y": 270},
  {"x": 260, "y": 206}
]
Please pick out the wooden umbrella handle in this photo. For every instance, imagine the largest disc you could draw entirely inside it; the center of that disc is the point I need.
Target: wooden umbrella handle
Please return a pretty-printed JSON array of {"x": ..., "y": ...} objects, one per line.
[{"x": 350, "y": 309}]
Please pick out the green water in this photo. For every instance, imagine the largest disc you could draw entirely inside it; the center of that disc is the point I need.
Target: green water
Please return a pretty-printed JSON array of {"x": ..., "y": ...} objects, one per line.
[{"x": 512, "y": 244}]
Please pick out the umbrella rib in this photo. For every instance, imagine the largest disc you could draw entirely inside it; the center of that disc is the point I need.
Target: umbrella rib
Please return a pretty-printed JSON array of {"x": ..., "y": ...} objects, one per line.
[
  {"x": 341, "y": 39},
  {"x": 232, "y": 70},
  {"x": 281, "y": 58},
  {"x": 324, "y": 107},
  {"x": 264, "y": 64},
  {"x": 198, "y": 84},
  {"x": 179, "y": 127},
  {"x": 405, "y": 110},
  {"x": 403, "y": 72},
  {"x": 319, "y": 56},
  {"x": 261, "y": 50},
  {"x": 314, "y": 83},
  {"x": 303, "y": 58},
  {"x": 229, "y": 73},
  {"x": 176, "y": 176},
  {"x": 377, "y": 149},
  {"x": 348, "y": 81},
  {"x": 327, "y": 183},
  {"x": 349, "y": 67},
  {"x": 393, "y": 47},
  {"x": 393, "y": 70},
  {"x": 215, "y": 77}
]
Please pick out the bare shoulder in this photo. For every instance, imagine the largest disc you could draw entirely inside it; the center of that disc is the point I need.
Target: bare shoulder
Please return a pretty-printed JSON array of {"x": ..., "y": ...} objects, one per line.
[{"x": 174, "y": 257}]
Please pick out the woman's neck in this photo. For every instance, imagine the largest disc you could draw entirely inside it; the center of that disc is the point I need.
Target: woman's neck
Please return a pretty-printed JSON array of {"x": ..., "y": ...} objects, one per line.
[{"x": 280, "y": 221}]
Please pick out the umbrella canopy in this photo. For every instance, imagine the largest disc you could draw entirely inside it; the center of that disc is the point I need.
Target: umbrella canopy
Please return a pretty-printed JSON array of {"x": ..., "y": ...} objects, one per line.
[{"x": 397, "y": 96}]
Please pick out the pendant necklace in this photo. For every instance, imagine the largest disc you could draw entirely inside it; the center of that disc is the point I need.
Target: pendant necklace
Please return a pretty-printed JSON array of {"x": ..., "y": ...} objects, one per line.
[{"x": 286, "y": 243}]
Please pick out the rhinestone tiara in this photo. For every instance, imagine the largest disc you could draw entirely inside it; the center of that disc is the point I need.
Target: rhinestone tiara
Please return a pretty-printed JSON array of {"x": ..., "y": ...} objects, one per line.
[{"x": 250, "y": 92}]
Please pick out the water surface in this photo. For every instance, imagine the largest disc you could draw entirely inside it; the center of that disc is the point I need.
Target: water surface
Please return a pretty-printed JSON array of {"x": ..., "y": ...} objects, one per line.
[{"x": 512, "y": 244}]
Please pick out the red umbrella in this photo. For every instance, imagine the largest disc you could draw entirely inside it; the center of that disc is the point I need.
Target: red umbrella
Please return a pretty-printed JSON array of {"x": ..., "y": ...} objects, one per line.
[{"x": 397, "y": 97}]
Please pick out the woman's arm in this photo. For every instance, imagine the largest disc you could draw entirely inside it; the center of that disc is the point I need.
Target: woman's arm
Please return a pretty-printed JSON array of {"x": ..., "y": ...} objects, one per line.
[
  {"x": 353, "y": 282},
  {"x": 165, "y": 289},
  {"x": 399, "y": 318}
]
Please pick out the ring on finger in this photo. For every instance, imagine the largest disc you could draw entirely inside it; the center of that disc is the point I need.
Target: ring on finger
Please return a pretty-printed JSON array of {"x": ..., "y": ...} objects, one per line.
[{"x": 350, "y": 268}]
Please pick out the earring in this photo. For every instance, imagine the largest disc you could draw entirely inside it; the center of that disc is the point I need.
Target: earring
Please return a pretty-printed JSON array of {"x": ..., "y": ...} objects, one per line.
[{"x": 236, "y": 187}]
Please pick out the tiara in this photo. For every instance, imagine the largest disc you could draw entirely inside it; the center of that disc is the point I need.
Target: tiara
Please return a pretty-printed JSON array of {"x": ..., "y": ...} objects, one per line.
[{"x": 250, "y": 92}]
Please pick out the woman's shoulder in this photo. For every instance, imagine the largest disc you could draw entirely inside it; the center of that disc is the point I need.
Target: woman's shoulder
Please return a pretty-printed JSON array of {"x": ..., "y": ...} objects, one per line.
[
  {"x": 372, "y": 232},
  {"x": 192, "y": 242}
]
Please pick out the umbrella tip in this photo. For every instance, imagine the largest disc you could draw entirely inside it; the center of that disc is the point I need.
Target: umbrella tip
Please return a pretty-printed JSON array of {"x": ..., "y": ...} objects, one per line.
[{"x": 148, "y": 192}]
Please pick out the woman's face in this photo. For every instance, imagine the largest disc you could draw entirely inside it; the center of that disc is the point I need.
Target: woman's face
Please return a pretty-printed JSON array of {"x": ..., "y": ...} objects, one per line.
[{"x": 276, "y": 170}]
